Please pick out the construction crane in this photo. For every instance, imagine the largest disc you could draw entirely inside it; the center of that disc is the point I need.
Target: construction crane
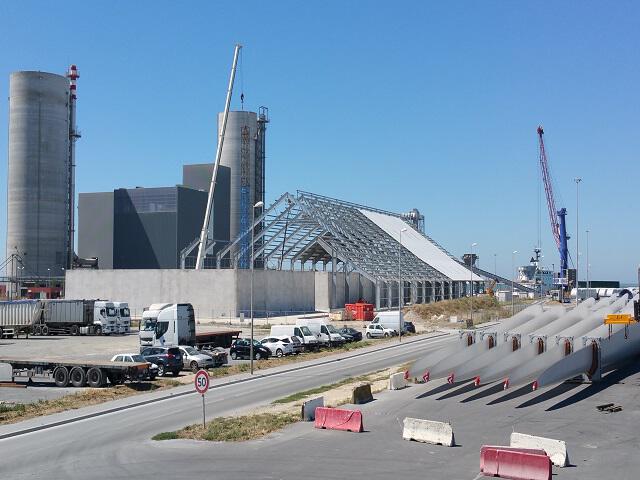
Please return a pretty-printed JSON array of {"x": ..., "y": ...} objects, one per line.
[
  {"x": 556, "y": 217},
  {"x": 203, "y": 242}
]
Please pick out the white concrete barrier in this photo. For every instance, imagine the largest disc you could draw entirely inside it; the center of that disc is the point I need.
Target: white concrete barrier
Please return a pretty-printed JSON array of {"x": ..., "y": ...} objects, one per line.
[
  {"x": 309, "y": 408},
  {"x": 428, "y": 431},
  {"x": 6, "y": 372},
  {"x": 556, "y": 450},
  {"x": 397, "y": 381}
]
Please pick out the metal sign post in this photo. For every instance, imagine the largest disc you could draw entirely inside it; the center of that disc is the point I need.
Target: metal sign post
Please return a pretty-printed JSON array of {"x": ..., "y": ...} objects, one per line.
[{"x": 202, "y": 385}]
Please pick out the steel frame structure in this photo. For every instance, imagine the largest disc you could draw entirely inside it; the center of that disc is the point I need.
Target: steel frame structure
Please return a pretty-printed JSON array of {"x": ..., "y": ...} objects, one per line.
[{"x": 308, "y": 228}]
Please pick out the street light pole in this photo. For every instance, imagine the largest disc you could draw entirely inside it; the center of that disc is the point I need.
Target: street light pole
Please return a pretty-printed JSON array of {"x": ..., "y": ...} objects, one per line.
[
  {"x": 253, "y": 221},
  {"x": 495, "y": 265},
  {"x": 513, "y": 277},
  {"x": 577, "y": 180},
  {"x": 471, "y": 284},
  {"x": 400, "y": 289}
]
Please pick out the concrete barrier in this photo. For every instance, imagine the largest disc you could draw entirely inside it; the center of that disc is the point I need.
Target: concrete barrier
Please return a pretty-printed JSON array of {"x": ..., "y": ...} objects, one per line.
[
  {"x": 339, "y": 419},
  {"x": 309, "y": 408},
  {"x": 6, "y": 372},
  {"x": 361, "y": 394},
  {"x": 427, "y": 431},
  {"x": 397, "y": 381},
  {"x": 517, "y": 464},
  {"x": 555, "y": 449}
]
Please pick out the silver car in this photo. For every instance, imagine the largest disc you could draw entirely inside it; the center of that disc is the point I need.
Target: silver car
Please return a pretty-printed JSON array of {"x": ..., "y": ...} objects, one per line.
[{"x": 193, "y": 360}]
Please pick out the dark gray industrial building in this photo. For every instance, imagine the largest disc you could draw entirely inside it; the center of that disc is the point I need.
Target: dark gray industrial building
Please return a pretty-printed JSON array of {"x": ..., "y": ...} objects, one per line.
[{"x": 143, "y": 228}]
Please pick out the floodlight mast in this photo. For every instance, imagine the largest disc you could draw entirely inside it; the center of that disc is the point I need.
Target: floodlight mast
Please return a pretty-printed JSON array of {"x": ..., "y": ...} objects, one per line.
[{"x": 202, "y": 244}]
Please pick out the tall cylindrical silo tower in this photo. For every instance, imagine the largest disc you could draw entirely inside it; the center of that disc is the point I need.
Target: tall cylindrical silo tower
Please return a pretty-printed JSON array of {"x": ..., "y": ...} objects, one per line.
[
  {"x": 38, "y": 172},
  {"x": 239, "y": 154}
]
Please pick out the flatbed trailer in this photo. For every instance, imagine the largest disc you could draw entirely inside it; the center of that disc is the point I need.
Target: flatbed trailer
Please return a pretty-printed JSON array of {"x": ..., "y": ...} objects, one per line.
[
  {"x": 222, "y": 339},
  {"x": 78, "y": 373}
]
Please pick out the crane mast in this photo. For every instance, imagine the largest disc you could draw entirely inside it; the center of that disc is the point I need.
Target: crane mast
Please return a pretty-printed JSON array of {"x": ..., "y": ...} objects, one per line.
[{"x": 556, "y": 217}]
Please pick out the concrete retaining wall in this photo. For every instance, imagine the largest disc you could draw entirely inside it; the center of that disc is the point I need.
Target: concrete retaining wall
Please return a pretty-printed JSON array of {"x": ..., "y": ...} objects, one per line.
[{"x": 214, "y": 294}]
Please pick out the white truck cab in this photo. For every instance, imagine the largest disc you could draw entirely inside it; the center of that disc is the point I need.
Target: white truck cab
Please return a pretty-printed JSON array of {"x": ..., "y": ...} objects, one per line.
[
  {"x": 167, "y": 325},
  {"x": 105, "y": 316},
  {"x": 123, "y": 321}
]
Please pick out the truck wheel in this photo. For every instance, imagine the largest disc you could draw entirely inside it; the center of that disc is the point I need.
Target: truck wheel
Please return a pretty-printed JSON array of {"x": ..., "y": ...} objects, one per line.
[
  {"x": 61, "y": 377},
  {"x": 1, "y": 333},
  {"x": 161, "y": 370},
  {"x": 44, "y": 330},
  {"x": 98, "y": 330},
  {"x": 368, "y": 335},
  {"x": 386, "y": 334},
  {"x": 78, "y": 377},
  {"x": 95, "y": 377},
  {"x": 234, "y": 356},
  {"x": 257, "y": 356},
  {"x": 75, "y": 330},
  {"x": 279, "y": 352},
  {"x": 36, "y": 330},
  {"x": 194, "y": 366}
]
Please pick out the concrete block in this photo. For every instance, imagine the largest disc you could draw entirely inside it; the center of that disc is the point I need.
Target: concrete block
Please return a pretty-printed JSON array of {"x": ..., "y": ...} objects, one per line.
[
  {"x": 6, "y": 372},
  {"x": 397, "y": 381},
  {"x": 556, "y": 450},
  {"x": 309, "y": 408},
  {"x": 428, "y": 431},
  {"x": 361, "y": 394}
]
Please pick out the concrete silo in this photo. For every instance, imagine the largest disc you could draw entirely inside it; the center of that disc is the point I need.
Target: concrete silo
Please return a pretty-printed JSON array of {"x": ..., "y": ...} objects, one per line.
[
  {"x": 243, "y": 153},
  {"x": 40, "y": 175}
]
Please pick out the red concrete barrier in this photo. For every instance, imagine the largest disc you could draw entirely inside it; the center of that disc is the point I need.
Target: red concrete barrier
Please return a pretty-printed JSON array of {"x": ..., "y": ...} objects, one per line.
[
  {"x": 515, "y": 463},
  {"x": 339, "y": 419}
]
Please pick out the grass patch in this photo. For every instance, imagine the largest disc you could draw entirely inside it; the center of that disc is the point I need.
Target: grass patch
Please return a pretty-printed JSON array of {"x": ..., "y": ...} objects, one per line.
[
  {"x": 11, "y": 407},
  {"x": 165, "y": 436},
  {"x": 234, "y": 429},
  {"x": 93, "y": 396},
  {"x": 323, "y": 388}
]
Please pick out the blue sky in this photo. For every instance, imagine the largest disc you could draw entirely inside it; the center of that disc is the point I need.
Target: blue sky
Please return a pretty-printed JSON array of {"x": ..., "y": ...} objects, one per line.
[{"x": 396, "y": 105}]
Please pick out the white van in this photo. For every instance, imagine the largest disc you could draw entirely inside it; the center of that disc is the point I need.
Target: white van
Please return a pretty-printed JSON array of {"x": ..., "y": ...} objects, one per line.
[
  {"x": 305, "y": 335},
  {"x": 327, "y": 334},
  {"x": 393, "y": 320}
]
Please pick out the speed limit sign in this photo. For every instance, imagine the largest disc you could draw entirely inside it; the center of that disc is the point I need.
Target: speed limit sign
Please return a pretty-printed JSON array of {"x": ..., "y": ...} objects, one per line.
[
  {"x": 202, "y": 385},
  {"x": 202, "y": 381}
]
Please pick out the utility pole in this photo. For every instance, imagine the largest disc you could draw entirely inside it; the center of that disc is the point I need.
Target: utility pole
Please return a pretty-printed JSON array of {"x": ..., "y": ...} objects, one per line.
[
  {"x": 471, "y": 285},
  {"x": 400, "y": 287},
  {"x": 577, "y": 180},
  {"x": 513, "y": 276}
]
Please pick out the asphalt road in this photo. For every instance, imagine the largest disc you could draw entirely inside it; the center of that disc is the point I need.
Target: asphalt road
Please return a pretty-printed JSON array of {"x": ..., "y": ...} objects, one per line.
[{"x": 116, "y": 445}]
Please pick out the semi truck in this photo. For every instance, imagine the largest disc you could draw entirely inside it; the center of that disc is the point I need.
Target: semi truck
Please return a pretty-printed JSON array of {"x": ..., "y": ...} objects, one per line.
[
  {"x": 174, "y": 324},
  {"x": 78, "y": 373},
  {"x": 67, "y": 317}
]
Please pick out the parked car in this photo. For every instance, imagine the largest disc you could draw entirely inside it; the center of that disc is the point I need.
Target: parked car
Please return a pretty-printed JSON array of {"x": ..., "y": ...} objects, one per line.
[
  {"x": 241, "y": 348},
  {"x": 350, "y": 334},
  {"x": 150, "y": 374},
  {"x": 194, "y": 360},
  {"x": 409, "y": 327},
  {"x": 296, "y": 343},
  {"x": 218, "y": 354},
  {"x": 277, "y": 347},
  {"x": 375, "y": 330},
  {"x": 168, "y": 359}
]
